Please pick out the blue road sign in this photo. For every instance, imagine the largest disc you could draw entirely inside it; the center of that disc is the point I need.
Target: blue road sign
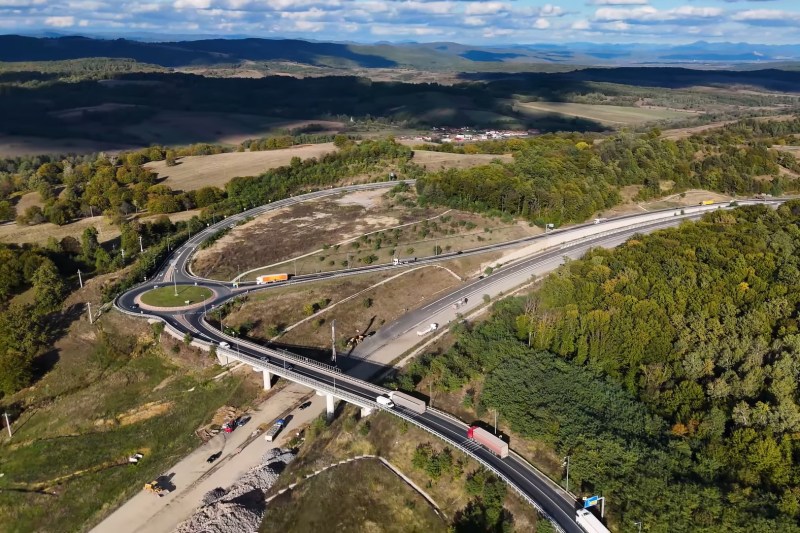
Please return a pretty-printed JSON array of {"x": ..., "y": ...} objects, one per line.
[{"x": 588, "y": 502}]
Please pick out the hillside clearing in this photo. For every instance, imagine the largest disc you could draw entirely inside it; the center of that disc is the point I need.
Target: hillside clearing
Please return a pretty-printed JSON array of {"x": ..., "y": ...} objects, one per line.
[
  {"x": 440, "y": 160},
  {"x": 606, "y": 114},
  {"x": 195, "y": 172}
]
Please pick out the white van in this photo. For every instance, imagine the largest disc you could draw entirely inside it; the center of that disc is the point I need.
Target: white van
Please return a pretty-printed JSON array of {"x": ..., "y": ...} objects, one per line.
[
  {"x": 224, "y": 344},
  {"x": 385, "y": 400}
]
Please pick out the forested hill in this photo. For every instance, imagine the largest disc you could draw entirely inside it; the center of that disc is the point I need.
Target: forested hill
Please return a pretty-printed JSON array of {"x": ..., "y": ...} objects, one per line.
[{"x": 667, "y": 369}]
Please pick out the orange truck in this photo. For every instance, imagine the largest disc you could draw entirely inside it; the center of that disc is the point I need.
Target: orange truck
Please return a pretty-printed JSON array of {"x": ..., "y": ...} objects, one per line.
[{"x": 271, "y": 278}]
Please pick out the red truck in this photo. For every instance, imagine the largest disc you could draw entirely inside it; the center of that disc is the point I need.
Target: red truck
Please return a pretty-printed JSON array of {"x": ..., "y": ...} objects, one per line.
[{"x": 495, "y": 444}]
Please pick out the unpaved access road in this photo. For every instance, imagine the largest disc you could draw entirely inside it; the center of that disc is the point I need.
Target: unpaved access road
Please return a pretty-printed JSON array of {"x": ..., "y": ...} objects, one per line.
[{"x": 194, "y": 477}]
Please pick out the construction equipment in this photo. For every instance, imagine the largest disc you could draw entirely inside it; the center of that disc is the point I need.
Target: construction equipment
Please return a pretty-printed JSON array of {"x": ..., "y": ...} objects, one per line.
[{"x": 156, "y": 488}]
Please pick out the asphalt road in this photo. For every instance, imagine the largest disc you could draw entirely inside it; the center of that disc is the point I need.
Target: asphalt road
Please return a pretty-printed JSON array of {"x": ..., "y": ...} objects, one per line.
[{"x": 391, "y": 340}]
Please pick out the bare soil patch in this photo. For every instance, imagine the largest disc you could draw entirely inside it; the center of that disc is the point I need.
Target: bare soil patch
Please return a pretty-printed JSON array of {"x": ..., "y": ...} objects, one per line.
[
  {"x": 27, "y": 200},
  {"x": 300, "y": 229},
  {"x": 194, "y": 172},
  {"x": 683, "y": 133},
  {"x": 372, "y": 309},
  {"x": 439, "y": 160}
]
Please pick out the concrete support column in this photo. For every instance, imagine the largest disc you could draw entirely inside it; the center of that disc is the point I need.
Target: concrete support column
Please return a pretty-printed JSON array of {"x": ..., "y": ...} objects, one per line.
[
  {"x": 222, "y": 358},
  {"x": 267, "y": 380},
  {"x": 366, "y": 411},
  {"x": 329, "y": 399}
]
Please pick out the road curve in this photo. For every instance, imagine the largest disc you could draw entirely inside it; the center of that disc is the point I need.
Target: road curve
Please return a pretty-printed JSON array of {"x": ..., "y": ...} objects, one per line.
[{"x": 533, "y": 485}]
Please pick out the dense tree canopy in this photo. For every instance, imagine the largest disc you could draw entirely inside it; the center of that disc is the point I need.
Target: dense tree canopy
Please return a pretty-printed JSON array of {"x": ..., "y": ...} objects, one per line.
[{"x": 666, "y": 368}]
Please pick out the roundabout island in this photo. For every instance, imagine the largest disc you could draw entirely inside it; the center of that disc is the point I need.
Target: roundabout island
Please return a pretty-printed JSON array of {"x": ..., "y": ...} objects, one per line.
[{"x": 174, "y": 297}]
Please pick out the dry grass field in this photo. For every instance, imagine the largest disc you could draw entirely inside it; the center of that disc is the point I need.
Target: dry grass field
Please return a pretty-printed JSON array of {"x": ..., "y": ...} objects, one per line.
[
  {"x": 605, "y": 114},
  {"x": 13, "y": 233},
  {"x": 439, "y": 160},
  {"x": 198, "y": 171}
]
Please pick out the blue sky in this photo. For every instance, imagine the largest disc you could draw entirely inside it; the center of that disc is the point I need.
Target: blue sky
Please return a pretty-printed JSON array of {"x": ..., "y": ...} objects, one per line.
[{"x": 464, "y": 21}]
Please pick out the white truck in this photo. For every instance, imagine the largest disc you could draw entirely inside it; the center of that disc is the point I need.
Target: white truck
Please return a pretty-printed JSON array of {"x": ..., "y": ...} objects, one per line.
[
  {"x": 385, "y": 401},
  {"x": 589, "y": 522},
  {"x": 429, "y": 329},
  {"x": 402, "y": 261},
  {"x": 276, "y": 428}
]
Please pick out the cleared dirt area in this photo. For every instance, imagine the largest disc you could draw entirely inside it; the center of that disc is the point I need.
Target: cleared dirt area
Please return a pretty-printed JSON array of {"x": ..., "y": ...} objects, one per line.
[
  {"x": 194, "y": 172},
  {"x": 439, "y": 160},
  {"x": 685, "y": 199},
  {"x": 369, "y": 227},
  {"x": 28, "y": 200},
  {"x": 301, "y": 229},
  {"x": 377, "y": 500},
  {"x": 606, "y": 114},
  {"x": 683, "y": 133},
  {"x": 373, "y": 308}
]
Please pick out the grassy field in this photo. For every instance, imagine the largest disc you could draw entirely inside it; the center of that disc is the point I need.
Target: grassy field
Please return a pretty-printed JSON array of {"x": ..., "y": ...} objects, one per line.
[
  {"x": 367, "y": 227},
  {"x": 194, "y": 172},
  {"x": 439, "y": 160},
  {"x": 166, "y": 297},
  {"x": 605, "y": 114},
  {"x": 42, "y": 232},
  {"x": 112, "y": 391},
  {"x": 377, "y": 500}
]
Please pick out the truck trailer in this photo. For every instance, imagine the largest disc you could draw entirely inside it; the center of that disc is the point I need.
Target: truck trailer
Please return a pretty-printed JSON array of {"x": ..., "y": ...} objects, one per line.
[
  {"x": 409, "y": 402},
  {"x": 276, "y": 428},
  {"x": 496, "y": 445},
  {"x": 271, "y": 278},
  {"x": 589, "y": 522}
]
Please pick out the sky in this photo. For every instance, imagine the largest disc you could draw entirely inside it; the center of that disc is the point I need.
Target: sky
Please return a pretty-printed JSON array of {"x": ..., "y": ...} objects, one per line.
[{"x": 464, "y": 21}]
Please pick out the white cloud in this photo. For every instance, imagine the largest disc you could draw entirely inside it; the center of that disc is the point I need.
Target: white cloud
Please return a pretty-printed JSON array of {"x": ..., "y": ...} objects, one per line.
[
  {"x": 474, "y": 21},
  {"x": 485, "y": 8},
  {"x": 307, "y": 25},
  {"x": 764, "y": 15},
  {"x": 192, "y": 4},
  {"x": 21, "y": 3},
  {"x": 619, "y": 2},
  {"x": 83, "y": 23},
  {"x": 541, "y": 24},
  {"x": 646, "y": 14},
  {"x": 582, "y": 24},
  {"x": 147, "y": 7},
  {"x": 60, "y": 22}
]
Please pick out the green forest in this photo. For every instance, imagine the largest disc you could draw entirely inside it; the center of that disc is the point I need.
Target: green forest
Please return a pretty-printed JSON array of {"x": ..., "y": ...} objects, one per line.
[
  {"x": 666, "y": 368},
  {"x": 560, "y": 178}
]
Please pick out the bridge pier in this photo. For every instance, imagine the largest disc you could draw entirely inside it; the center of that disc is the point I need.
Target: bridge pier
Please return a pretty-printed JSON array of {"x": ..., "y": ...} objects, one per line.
[
  {"x": 329, "y": 407},
  {"x": 267, "y": 380},
  {"x": 366, "y": 411}
]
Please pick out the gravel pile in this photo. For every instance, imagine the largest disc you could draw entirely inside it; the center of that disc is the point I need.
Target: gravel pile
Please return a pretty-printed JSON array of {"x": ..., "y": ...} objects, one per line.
[{"x": 240, "y": 508}]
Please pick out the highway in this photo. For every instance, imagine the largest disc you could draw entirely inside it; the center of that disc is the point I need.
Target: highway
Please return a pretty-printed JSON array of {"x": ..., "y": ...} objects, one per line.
[{"x": 345, "y": 382}]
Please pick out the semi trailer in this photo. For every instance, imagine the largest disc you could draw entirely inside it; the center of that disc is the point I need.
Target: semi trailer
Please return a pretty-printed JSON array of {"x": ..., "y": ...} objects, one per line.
[
  {"x": 494, "y": 444},
  {"x": 408, "y": 402}
]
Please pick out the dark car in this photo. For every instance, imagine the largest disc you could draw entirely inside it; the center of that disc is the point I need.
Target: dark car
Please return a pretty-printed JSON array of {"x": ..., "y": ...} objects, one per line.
[
  {"x": 305, "y": 406},
  {"x": 290, "y": 367},
  {"x": 242, "y": 421},
  {"x": 214, "y": 457}
]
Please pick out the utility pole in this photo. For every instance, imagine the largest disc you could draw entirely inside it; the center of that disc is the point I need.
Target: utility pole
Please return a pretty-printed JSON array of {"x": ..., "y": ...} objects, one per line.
[
  {"x": 333, "y": 341},
  {"x": 295, "y": 267},
  {"x": 566, "y": 463},
  {"x": 123, "y": 255},
  {"x": 91, "y": 318},
  {"x": 639, "y": 525},
  {"x": 8, "y": 425},
  {"x": 495, "y": 421},
  {"x": 80, "y": 280},
  {"x": 141, "y": 248}
]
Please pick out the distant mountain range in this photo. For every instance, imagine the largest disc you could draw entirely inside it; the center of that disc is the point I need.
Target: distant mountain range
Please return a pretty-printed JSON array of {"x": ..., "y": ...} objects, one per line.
[{"x": 426, "y": 56}]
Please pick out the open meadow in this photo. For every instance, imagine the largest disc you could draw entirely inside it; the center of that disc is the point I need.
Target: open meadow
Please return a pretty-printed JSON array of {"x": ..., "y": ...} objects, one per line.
[
  {"x": 605, "y": 114},
  {"x": 195, "y": 172}
]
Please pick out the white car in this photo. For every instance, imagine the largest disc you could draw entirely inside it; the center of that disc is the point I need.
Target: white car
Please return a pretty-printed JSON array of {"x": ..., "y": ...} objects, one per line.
[
  {"x": 385, "y": 400},
  {"x": 224, "y": 344}
]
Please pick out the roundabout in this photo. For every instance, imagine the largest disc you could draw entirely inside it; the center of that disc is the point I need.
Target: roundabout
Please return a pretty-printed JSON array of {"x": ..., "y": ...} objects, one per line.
[{"x": 175, "y": 297}]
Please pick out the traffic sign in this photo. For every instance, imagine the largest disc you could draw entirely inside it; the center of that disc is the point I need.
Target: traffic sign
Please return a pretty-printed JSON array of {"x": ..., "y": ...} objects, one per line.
[{"x": 588, "y": 502}]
